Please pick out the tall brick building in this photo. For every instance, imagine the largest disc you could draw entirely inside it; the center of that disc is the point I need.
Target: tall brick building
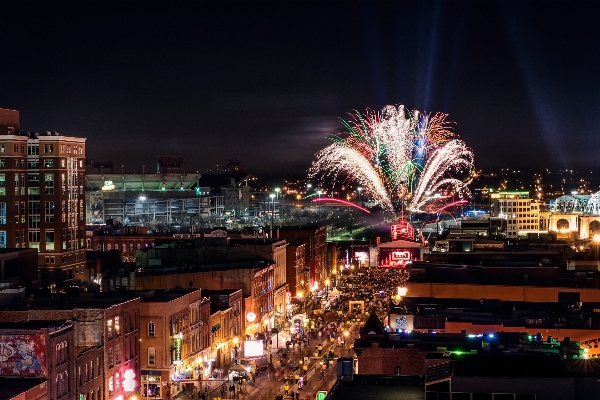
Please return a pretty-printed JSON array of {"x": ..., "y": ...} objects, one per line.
[
  {"x": 42, "y": 195},
  {"x": 315, "y": 252}
]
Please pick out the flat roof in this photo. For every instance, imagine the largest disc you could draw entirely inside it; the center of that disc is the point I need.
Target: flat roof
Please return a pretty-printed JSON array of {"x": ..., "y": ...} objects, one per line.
[
  {"x": 163, "y": 296},
  {"x": 378, "y": 392},
  {"x": 12, "y": 387},
  {"x": 400, "y": 244},
  {"x": 32, "y": 324}
]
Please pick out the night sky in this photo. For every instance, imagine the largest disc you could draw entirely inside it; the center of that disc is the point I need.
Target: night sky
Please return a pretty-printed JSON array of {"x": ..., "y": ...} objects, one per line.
[{"x": 266, "y": 82}]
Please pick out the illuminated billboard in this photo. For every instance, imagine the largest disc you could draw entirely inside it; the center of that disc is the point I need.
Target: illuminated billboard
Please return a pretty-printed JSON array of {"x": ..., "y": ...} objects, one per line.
[
  {"x": 253, "y": 348},
  {"x": 396, "y": 258},
  {"x": 22, "y": 355}
]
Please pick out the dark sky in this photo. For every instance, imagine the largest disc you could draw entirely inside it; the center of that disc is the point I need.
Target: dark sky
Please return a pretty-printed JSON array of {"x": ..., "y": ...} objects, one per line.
[{"x": 266, "y": 82}]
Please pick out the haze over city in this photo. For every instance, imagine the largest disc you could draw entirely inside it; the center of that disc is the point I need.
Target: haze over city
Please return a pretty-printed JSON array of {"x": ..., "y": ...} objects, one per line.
[{"x": 267, "y": 82}]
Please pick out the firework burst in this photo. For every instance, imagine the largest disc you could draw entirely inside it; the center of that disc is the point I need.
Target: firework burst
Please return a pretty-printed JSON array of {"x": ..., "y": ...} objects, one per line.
[{"x": 397, "y": 155}]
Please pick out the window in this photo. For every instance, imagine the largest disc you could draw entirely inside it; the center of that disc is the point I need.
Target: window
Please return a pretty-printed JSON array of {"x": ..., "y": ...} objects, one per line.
[
  {"x": 111, "y": 359},
  {"x": 63, "y": 163},
  {"x": 2, "y": 148},
  {"x": 397, "y": 370},
  {"x": 109, "y": 328},
  {"x": 151, "y": 332},
  {"x": 2, "y": 163},
  {"x": 34, "y": 236},
  {"x": 118, "y": 354},
  {"x": 2, "y": 184},
  {"x": 117, "y": 326},
  {"x": 16, "y": 148},
  {"x": 49, "y": 183},
  {"x": 48, "y": 163},
  {"x": 49, "y": 211},
  {"x": 49, "y": 239},
  {"x": 151, "y": 356},
  {"x": 3, "y": 239},
  {"x": 2, "y": 213}
]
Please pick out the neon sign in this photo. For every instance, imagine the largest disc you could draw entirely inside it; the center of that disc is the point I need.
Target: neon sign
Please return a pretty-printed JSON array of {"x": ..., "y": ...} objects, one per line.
[
  {"x": 402, "y": 230},
  {"x": 129, "y": 380},
  {"x": 395, "y": 258},
  {"x": 178, "y": 339}
]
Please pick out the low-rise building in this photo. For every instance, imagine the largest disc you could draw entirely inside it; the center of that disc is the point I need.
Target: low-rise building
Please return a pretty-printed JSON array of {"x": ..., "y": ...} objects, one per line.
[{"x": 172, "y": 347}]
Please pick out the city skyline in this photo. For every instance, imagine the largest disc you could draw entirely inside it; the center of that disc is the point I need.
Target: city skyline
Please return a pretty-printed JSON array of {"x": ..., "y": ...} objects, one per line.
[{"x": 266, "y": 82}]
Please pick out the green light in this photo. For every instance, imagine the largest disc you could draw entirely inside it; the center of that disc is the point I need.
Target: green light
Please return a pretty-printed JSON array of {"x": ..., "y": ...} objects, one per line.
[
  {"x": 321, "y": 395},
  {"x": 529, "y": 337}
]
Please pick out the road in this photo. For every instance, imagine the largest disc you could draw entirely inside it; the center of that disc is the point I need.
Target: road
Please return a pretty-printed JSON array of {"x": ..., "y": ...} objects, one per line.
[{"x": 266, "y": 388}]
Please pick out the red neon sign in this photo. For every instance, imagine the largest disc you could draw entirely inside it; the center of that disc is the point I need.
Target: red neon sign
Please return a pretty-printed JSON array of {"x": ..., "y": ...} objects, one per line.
[{"x": 402, "y": 230}]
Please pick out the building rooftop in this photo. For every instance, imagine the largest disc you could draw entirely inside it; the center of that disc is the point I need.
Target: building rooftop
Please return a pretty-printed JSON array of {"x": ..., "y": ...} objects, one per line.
[
  {"x": 380, "y": 391},
  {"x": 163, "y": 296},
  {"x": 212, "y": 292},
  {"x": 32, "y": 324},
  {"x": 12, "y": 387}
]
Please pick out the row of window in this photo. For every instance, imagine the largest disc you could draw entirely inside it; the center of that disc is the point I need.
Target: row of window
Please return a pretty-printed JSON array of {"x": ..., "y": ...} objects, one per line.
[
  {"x": 35, "y": 163},
  {"x": 34, "y": 149}
]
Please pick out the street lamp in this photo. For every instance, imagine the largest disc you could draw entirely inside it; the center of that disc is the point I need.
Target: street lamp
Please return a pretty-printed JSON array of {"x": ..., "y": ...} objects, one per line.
[
  {"x": 277, "y": 190},
  {"x": 272, "y": 196},
  {"x": 346, "y": 334},
  {"x": 358, "y": 189},
  {"x": 327, "y": 283}
]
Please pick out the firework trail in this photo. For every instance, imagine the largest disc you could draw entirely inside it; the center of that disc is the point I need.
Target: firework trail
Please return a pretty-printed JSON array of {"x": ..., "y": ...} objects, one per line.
[{"x": 396, "y": 155}]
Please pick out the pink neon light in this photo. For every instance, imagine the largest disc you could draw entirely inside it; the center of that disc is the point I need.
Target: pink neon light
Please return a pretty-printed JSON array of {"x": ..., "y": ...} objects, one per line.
[
  {"x": 334, "y": 200},
  {"x": 450, "y": 205}
]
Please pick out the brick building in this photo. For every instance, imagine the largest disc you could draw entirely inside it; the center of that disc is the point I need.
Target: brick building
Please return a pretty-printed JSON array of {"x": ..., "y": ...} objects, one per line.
[
  {"x": 315, "y": 252},
  {"x": 106, "y": 340},
  {"x": 173, "y": 344},
  {"x": 297, "y": 273},
  {"x": 226, "y": 305},
  {"x": 42, "y": 195},
  {"x": 41, "y": 349}
]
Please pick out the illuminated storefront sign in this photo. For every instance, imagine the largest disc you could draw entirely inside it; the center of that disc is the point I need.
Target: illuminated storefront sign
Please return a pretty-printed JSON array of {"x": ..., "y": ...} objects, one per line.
[{"x": 178, "y": 339}]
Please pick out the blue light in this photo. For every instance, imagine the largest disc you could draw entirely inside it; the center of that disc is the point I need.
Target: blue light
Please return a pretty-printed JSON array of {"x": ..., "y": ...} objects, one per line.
[
  {"x": 471, "y": 336},
  {"x": 491, "y": 335}
]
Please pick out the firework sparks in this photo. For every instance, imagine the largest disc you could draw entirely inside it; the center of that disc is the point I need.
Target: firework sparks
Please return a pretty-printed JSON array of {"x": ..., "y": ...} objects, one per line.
[{"x": 397, "y": 155}]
